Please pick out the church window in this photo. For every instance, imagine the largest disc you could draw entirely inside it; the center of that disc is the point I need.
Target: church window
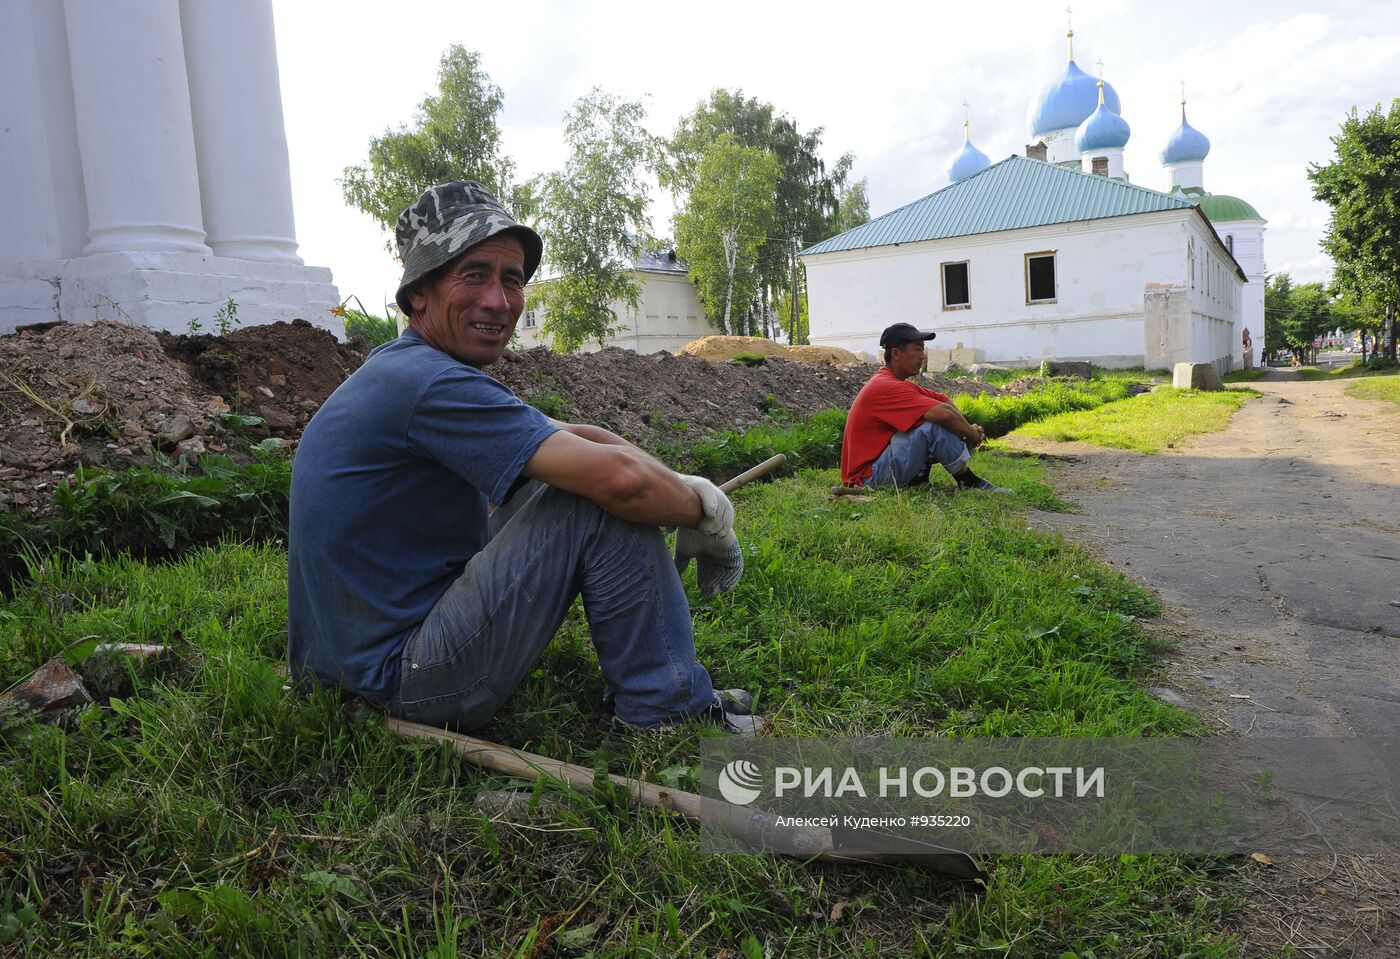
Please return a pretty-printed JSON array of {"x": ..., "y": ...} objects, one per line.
[
  {"x": 1100, "y": 166},
  {"x": 1230, "y": 243},
  {"x": 1191, "y": 261},
  {"x": 1040, "y": 277},
  {"x": 532, "y": 318},
  {"x": 956, "y": 293}
]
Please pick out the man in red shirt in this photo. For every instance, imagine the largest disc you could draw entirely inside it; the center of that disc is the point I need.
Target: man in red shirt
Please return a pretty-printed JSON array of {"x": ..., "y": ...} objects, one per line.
[{"x": 897, "y": 429}]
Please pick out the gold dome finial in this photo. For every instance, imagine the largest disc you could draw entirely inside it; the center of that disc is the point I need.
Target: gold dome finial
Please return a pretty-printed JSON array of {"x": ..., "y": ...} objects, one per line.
[
  {"x": 1069, "y": 17},
  {"x": 1183, "y": 101},
  {"x": 966, "y": 124}
]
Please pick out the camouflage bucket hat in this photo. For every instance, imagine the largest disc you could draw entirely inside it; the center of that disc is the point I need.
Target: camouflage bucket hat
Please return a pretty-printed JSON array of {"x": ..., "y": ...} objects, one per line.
[{"x": 445, "y": 222}]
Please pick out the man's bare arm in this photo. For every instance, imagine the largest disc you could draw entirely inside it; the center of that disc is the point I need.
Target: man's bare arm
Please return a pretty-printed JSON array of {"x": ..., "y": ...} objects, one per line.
[
  {"x": 950, "y": 417},
  {"x": 595, "y": 433},
  {"x": 618, "y": 477}
]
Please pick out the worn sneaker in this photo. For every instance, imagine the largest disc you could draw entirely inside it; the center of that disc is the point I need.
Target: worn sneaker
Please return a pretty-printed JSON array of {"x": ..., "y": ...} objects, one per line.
[
  {"x": 720, "y": 714},
  {"x": 985, "y": 487}
]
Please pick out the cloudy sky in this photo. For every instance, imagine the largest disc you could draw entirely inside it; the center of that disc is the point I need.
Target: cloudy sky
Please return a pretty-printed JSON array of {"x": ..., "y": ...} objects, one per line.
[{"x": 1268, "y": 83}]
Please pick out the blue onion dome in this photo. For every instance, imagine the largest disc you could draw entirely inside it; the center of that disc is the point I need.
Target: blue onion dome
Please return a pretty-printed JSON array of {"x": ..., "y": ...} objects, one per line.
[
  {"x": 1069, "y": 101},
  {"x": 1187, "y": 145},
  {"x": 969, "y": 161},
  {"x": 1103, "y": 130}
]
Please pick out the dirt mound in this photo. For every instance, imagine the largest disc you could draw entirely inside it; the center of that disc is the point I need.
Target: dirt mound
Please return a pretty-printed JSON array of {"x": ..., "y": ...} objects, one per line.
[
  {"x": 105, "y": 394},
  {"x": 721, "y": 348}
]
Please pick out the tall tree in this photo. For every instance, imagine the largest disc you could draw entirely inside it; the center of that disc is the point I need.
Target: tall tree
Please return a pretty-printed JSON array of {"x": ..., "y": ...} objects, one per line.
[
  {"x": 593, "y": 213},
  {"x": 721, "y": 231},
  {"x": 806, "y": 196},
  {"x": 852, "y": 207},
  {"x": 454, "y": 136},
  {"x": 1362, "y": 186},
  {"x": 1297, "y": 314}
]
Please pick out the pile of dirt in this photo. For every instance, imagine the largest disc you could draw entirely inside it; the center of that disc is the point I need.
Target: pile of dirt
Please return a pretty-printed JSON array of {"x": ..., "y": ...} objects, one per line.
[
  {"x": 721, "y": 348},
  {"x": 107, "y": 394},
  {"x": 104, "y": 394},
  {"x": 663, "y": 401}
]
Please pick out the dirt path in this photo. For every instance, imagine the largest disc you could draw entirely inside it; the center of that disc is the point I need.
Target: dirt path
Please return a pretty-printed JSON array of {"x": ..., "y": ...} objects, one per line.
[{"x": 1275, "y": 546}]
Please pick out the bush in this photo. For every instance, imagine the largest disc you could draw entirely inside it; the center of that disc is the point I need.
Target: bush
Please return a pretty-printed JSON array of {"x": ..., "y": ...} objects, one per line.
[{"x": 375, "y": 330}]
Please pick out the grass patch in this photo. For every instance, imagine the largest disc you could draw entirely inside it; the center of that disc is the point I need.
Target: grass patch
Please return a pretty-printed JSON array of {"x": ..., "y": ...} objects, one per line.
[
  {"x": 813, "y": 442},
  {"x": 999, "y": 415},
  {"x": 1380, "y": 367},
  {"x": 1245, "y": 376},
  {"x": 1387, "y": 389},
  {"x": 1146, "y": 423},
  {"x": 209, "y": 812}
]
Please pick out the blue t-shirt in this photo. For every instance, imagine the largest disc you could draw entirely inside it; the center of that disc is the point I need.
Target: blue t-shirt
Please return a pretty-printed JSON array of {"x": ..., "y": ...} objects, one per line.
[{"x": 390, "y": 489}]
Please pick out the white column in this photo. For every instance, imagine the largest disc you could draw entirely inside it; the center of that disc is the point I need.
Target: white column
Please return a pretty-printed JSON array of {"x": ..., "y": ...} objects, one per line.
[
  {"x": 244, "y": 174},
  {"x": 134, "y": 129},
  {"x": 28, "y": 221},
  {"x": 1188, "y": 176}
]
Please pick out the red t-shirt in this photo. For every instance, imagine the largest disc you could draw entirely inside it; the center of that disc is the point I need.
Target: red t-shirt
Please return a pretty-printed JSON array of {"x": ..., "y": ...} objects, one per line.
[{"x": 883, "y": 407}]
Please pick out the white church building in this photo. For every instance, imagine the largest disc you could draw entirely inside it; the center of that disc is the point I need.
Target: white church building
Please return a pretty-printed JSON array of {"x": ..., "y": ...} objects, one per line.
[
  {"x": 1055, "y": 254},
  {"x": 668, "y": 314},
  {"x": 143, "y": 166}
]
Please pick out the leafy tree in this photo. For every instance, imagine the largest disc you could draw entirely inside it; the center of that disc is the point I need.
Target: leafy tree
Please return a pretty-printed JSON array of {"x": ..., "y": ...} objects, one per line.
[
  {"x": 807, "y": 196},
  {"x": 454, "y": 136},
  {"x": 721, "y": 232},
  {"x": 593, "y": 213},
  {"x": 853, "y": 207},
  {"x": 1362, "y": 186},
  {"x": 1297, "y": 314}
]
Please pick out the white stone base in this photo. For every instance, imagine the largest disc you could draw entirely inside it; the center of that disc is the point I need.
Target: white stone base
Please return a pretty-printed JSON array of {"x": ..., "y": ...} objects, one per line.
[{"x": 165, "y": 291}]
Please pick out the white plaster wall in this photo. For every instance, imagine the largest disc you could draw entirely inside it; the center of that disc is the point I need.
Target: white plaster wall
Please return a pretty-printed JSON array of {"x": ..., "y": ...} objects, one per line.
[
  {"x": 668, "y": 316},
  {"x": 1217, "y": 302},
  {"x": 1102, "y": 269},
  {"x": 1249, "y": 253}
]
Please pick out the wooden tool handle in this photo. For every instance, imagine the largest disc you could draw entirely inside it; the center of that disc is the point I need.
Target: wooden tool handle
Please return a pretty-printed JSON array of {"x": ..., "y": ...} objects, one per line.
[{"x": 749, "y": 475}]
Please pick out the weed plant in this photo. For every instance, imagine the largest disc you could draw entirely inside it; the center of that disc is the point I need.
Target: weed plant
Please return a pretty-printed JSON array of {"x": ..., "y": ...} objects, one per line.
[
  {"x": 813, "y": 442},
  {"x": 155, "y": 511},
  {"x": 213, "y": 811},
  {"x": 376, "y": 330},
  {"x": 1146, "y": 423}
]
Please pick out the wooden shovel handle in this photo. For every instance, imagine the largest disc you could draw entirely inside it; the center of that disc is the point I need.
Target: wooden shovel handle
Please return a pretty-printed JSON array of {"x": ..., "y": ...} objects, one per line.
[{"x": 749, "y": 475}]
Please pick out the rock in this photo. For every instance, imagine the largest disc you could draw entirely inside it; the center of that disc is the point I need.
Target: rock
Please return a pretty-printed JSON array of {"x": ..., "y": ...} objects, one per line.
[
  {"x": 52, "y": 688},
  {"x": 10, "y": 457},
  {"x": 67, "y": 351},
  {"x": 1169, "y": 696},
  {"x": 276, "y": 419},
  {"x": 265, "y": 392},
  {"x": 29, "y": 422},
  {"x": 1196, "y": 376},
  {"x": 277, "y": 379},
  {"x": 1067, "y": 368},
  {"x": 191, "y": 447},
  {"x": 180, "y": 428},
  {"x": 87, "y": 407},
  {"x": 977, "y": 369},
  {"x": 133, "y": 431}
]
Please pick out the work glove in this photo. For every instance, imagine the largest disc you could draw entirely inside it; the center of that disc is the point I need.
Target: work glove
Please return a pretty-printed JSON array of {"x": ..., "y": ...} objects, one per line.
[{"x": 719, "y": 562}]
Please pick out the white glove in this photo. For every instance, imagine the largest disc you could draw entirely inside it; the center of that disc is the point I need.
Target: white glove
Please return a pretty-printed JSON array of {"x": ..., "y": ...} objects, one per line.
[
  {"x": 719, "y": 512},
  {"x": 719, "y": 562}
]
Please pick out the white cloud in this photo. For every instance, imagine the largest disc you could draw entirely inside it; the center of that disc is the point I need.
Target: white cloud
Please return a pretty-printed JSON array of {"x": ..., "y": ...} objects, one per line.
[{"x": 1268, "y": 84}]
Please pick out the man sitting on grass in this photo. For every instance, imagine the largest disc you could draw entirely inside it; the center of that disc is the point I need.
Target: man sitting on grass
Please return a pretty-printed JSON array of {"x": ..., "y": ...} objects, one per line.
[
  {"x": 406, "y": 588},
  {"x": 896, "y": 429}
]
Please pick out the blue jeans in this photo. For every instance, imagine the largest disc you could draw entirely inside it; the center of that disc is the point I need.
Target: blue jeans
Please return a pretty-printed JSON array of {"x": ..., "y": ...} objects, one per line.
[
  {"x": 909, "y": 454},
  {"x": 493, "y": 624}
]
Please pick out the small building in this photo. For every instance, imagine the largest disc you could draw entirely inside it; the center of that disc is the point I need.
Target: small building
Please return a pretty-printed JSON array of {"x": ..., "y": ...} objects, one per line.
[
  {"x": 668, "y": 314},
  {"x": 1055, "y": 254}
]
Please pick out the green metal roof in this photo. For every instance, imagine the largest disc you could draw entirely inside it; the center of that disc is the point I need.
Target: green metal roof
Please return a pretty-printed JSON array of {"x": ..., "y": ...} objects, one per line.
[
  {"x": 1014, "y": 194},
  {"x": 1219, "y": 208}
]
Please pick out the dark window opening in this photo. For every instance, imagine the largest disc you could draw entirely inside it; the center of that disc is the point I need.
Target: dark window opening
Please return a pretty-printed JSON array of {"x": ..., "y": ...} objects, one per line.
[
  {"x": 955, "y": 286},
  {"x": 1101, "y": 166},
  {"x": 1230, "y": 243},
  {"x": 1040, "y": 277}
]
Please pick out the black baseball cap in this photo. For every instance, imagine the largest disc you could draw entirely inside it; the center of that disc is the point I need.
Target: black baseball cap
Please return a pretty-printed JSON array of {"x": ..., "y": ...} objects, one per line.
[{"x": 901, "y": 334}]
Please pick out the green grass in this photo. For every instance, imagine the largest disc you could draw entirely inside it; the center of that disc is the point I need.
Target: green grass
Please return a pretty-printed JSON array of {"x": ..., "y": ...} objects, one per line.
[
  {"x": 1245, "y": 376},
  {"x": 1387, "y": 388},
  {"x": 999, "y": 415},
  {"x": 1381, "y": 367},
  {"x": 206, "y": 811},
  {"x": 1146, "y": 423}
]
